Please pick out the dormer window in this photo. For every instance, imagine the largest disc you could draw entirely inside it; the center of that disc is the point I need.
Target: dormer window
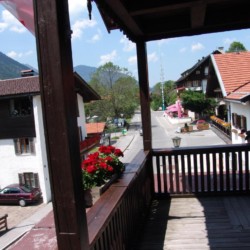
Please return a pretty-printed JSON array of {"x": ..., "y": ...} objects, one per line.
[{"x": 21, "y": 106}]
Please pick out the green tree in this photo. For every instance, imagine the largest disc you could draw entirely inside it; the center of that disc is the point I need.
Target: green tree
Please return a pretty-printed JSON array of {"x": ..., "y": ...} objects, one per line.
[
  {"x": 197, "y": 102},
  {"x": 236, "y": 47},
  {"x": 119, "y": 92},
  {"x": 169, "y": 94}
]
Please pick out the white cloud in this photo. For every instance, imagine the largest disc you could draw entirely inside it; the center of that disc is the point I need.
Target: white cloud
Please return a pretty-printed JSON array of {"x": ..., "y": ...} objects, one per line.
[
  {"x": 96, "y": 37},
  {"x": 152, "y": 57},
  {"x": 76, "y": 7},
  {"x": 80, "y": 25},
  {"x": 127, "y": 44},
  {"x": 228, "y": 41},
  {"x": 11, "y": 23},
  {"x": 17, "y": 55},
  {"x": 182, "y": 50},
  {"x": 197, "y": 46},
  {"x": 3, "y": 26},
  {"x": 111, "y": 57},
  {"x": 132, "y": 60}
]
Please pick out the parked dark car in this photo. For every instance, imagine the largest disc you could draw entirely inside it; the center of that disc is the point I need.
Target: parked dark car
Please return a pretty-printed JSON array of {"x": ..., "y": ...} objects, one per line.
[{"x": 19, "y": 194}]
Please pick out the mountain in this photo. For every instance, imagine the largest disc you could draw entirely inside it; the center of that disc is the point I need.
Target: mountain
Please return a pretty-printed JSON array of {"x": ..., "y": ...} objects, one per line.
[
  {"x": 10, "y": 68},
  {"x": 85, "y": 71}
]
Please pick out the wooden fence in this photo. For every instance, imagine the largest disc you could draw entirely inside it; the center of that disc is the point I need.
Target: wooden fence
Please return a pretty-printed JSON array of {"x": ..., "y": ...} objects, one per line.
[{"x": 207, "y": 170}]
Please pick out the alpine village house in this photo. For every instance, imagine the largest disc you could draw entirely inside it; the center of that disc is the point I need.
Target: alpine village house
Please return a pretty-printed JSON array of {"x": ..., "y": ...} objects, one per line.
[
  {"x": 22, "y": 140},
  {"x": 225, "y": 77}
]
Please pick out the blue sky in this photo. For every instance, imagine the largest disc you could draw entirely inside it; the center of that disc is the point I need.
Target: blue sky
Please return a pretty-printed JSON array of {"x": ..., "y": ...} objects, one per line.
[{"x": 93, "y": 46}]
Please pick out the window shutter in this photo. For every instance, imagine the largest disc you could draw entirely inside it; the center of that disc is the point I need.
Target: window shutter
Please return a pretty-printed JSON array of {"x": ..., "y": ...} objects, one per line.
[
  {"x": 32, "y": 145},
  {"x": 17, "y": 146},
  {"x": 37, "y": 184},
  {"x": 243, "y": 122},
  {"x": 21, "y": 179},
  {"x": 238, "y": 121}
]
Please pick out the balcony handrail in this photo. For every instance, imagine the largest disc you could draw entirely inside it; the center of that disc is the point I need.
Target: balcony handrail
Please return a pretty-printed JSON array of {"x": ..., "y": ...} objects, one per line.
[{"x": 206, "y": 170}]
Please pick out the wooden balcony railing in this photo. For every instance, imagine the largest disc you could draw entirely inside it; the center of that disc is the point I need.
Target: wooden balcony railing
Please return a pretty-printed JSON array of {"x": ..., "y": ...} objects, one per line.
[
  {"x": 115, "y": 218},
  {"x": 206, "y": 171}
]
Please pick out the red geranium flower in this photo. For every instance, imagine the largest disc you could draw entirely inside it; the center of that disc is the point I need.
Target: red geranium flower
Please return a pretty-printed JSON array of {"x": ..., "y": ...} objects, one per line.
[{"x": 101, "y": 165}]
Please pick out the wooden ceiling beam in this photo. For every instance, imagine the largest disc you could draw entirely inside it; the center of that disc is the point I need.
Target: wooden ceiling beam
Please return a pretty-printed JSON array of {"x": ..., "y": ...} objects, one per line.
[
  {"x": 125, "y": 18},
  {"x": 198, "y": 13}
]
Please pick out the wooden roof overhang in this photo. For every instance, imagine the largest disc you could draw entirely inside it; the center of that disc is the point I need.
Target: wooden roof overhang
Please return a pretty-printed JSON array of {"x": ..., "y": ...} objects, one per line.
[
  {"x": 88, "y": 94},
  {"x": 141, "y": 21},
  {"x": 149, "y": 20}
]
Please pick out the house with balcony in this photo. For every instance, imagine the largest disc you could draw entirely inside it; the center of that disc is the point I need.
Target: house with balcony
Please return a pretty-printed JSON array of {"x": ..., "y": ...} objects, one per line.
[
  {"x": 22, "y": 140},
  {"x": 198, "y": 197},
  {"x": 229, "y": 81},
  {"x": 196, "y": 78}
]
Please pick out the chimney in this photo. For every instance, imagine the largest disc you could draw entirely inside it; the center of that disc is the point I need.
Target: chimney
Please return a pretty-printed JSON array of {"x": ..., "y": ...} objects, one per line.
[{"x": 27, "y": 72}]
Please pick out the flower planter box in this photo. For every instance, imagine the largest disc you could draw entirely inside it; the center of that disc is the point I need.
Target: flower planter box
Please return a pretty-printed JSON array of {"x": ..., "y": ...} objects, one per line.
[
  {"x": 91, "y": 196},
  {"x": 203, "y": 126}
]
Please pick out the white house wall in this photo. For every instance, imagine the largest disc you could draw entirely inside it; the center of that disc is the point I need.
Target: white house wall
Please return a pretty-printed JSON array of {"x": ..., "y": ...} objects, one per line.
[
  {"x": 240, "y": 109},
  {"x": 12, "y": 164},
  {"x": 41, "y": 154},
  {"x": 81, "y": 120}
]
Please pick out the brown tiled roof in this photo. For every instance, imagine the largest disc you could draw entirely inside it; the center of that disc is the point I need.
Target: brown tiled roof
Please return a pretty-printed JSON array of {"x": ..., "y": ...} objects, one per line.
[
  {"x": 241, "y": 94},
  {"x": 95, "y": 127},
  {"x": 30, "y": 85},
  {"x": 17, "y": 86},
  {"x": 233, "y": 69}
]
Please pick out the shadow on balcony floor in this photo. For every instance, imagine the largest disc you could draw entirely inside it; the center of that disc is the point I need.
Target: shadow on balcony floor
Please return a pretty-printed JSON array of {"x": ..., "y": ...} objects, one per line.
[{"x": 197, "y": 223}]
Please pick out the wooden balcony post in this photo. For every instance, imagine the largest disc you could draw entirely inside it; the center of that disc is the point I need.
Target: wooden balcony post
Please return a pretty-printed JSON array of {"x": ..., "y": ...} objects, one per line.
[
  {"x": 53, "y": 36},
  {"x": 144, "y": 94}
]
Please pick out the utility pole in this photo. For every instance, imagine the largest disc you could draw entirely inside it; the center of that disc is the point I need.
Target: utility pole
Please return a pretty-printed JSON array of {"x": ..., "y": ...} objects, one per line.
[{"x": 162, "y": 84}]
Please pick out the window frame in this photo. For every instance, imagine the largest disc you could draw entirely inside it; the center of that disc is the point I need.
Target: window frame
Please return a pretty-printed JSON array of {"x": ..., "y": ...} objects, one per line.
[{"x": 24, "y": 146}]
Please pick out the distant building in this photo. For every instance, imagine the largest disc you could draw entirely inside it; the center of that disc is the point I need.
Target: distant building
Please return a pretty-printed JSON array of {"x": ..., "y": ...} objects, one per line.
[
  {"x": 22, "y": 140},
  {"x": 230, "y": 81}
]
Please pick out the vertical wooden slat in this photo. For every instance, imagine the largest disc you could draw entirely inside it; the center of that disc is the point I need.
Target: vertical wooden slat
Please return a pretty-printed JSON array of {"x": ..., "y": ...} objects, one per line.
[
  {"x": 214, "y": 173},
  {"x": 234, "y": 168},
  {"x": 170, "y": 166},
  {"x": 221, "y": 167},
  {"x": 165, "y": 182},
  {"x": 190, "y": 181},
  {"x": 53, "y": 36},
  {"x": 240, "y": 179},
  {"x": 246, "y": 153},
  {"x": 208, "y": 165},
  {"x": 158, "y": 172},
  {"x": 202, "y": 173},
  {"x": 177, "y": 177},
  {"x": 183, "y": 174},
  {"x": 227, "y": 157},
  {"x": 196, "y": 182}
]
